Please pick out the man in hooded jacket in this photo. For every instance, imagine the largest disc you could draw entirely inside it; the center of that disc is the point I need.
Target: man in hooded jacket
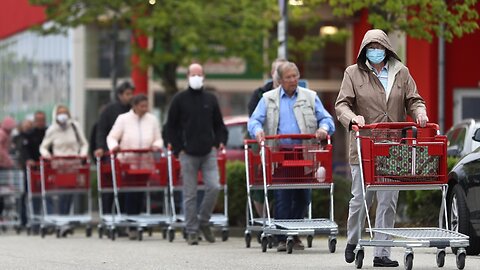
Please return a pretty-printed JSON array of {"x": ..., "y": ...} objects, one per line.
[{"x": 378, "y": 88}]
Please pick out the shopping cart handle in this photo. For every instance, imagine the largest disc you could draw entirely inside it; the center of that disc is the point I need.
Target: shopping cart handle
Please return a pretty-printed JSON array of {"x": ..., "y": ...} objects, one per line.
[
  {"x": 143, "y": 150},
  {"x": 393, "y": 125},
  {"x": 287, "y": 136},
  {"x": 63, "y": 157}
]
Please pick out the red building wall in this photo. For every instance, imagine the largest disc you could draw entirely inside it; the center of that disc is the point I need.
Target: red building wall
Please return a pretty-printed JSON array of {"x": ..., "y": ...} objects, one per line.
[{"x": 18, "y": 15}]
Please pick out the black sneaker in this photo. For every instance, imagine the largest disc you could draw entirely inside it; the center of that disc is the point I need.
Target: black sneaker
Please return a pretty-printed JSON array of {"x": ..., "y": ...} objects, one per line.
[
  {"x": 207, "y": 233},
  {"x": 350, "y": 253},
  {"x": 384, "y": 262}
]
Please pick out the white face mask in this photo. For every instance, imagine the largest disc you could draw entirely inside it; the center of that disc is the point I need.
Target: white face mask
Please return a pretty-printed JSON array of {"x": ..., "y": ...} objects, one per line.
[
  {"x": 195, "y": 82},
  {"x": 62, "y": 118}
]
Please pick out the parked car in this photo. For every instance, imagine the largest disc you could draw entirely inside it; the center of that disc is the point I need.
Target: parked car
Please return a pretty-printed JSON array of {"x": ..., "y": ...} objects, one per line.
[
  {"x": 460, "y": 136},
  {"x": 237, "y": 132},
  {"x": 463, "y": 198}
]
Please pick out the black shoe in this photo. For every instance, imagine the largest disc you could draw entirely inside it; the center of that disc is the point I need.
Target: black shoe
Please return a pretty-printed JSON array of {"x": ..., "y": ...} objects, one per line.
[
  {"x": 384, "y": 262},
  {"x": 349, "y": 253}
]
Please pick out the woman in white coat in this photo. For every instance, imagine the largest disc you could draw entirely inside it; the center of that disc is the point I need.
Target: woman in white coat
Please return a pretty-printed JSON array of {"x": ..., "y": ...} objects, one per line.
[{"x": 136, "y": 129}]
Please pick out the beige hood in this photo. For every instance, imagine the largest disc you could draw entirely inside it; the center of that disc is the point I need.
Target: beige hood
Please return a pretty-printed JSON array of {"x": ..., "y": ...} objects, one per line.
[{"x": 375, "y": 35}]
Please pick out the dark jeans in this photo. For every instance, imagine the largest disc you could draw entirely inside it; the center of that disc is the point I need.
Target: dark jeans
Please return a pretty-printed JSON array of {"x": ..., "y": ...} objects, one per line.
[
  {"x": 291, "y": 204},
  {"x": 134, "y": 202}
]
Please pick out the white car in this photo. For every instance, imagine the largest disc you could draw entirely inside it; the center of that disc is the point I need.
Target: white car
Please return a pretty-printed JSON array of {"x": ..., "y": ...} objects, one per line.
[{"x": 460, "y": 136}]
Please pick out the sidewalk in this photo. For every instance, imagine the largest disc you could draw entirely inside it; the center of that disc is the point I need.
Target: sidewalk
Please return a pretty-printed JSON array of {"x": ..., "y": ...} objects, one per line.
[{"x": 79, "y": 252}]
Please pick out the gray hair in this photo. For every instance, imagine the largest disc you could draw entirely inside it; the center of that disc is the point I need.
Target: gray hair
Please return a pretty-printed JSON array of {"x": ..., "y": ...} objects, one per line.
[{"x": 285, "y": 66}]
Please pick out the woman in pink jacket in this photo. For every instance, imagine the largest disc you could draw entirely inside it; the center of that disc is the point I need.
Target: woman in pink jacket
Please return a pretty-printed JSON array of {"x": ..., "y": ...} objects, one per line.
[
  {"x": 136, "y": 129},
  {"x": 6, "y": 162}
]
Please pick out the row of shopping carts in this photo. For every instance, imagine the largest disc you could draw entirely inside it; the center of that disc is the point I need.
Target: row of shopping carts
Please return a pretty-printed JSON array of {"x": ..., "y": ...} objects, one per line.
[
  {"x": 394, "y": 156},
  {"x": 60, "y": 194}
]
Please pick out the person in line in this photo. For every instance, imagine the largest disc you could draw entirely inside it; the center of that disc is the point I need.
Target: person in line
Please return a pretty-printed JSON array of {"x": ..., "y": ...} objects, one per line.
[
  {"x": 32, "y": 154},
  {"x": 6, "y": 161},
  {"x": 196, "y": 130},
  {"x": 64, "y": 138},
  {"x": 377, "y": 88},
  {"x": 136, "y": 129},
  {"x": 257, "y": 195},
  {"x": 290, "y": 109},
  {"x": 123, "y": 94}
]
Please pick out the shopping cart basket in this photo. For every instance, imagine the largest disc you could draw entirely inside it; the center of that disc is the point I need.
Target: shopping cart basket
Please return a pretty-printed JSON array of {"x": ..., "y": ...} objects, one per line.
[
  {"x": 11, "y": 191},
  {"x": 404, "y": 156},
  {"x": 66, "y": 180},
  {"x": 133, "y": 171},
  {"x": 306, "y": 164},
  {"x": 219, "y": 220}
]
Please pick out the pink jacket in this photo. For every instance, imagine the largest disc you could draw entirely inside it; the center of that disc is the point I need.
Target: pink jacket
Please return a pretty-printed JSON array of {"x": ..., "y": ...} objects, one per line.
[
  {"x": 132, "y": 132},
  {"x": 5, "y": 159}
]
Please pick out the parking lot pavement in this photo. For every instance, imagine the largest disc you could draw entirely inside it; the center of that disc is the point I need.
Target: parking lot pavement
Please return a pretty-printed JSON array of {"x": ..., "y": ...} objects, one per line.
[{"x": 79, "y": 252}]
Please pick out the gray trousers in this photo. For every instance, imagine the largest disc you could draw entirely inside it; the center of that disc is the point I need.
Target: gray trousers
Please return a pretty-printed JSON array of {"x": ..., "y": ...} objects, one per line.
[
  {"x": 190, "y": 166},
  {"x": 385, "y": 214}
]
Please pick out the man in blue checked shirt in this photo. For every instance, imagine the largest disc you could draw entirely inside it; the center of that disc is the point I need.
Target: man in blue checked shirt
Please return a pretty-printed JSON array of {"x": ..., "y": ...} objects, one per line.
[{"x": 290, "y": 109}]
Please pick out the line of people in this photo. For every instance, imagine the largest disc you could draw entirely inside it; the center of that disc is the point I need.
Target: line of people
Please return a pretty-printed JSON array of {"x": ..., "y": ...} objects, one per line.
[{"x": 377, "y": 88}]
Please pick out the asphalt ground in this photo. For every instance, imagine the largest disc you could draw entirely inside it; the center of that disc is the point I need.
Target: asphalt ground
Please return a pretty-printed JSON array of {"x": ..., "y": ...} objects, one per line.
[{"x": 79, "y": 252}]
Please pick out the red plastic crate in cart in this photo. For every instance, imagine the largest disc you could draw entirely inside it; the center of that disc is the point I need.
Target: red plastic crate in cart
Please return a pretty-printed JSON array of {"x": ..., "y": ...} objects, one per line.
[
  {"x": 307, "y": 162},
  {"x": 134, "y": 168},
  {"x": 412, "y": 157},
  {"x": 66, "y": 172}
]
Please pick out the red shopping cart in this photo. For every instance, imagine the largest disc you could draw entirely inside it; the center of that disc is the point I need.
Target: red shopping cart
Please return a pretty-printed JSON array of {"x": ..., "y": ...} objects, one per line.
[
  {"x": 11, "y": 192},
  {"x": 132, "y": 171},
  {"x": 303, "y": 163},
  {"x": 34, "y": 196},
  {"x": 405, "y": 156},
  {"x": 66, "y": 181},
  {"x": 177, "y": 220}
]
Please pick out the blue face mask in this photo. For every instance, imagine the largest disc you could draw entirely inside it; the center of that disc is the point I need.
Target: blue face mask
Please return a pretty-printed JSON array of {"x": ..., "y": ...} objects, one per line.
[{"x": 375, "y": 56}]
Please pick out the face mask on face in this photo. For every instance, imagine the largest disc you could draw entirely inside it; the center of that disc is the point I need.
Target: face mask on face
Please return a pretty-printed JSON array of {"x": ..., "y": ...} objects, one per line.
[
  {"x": 375, "y": 56},
  {"x": 62, "y": 118},
  {"x": 195, "y": 82}
]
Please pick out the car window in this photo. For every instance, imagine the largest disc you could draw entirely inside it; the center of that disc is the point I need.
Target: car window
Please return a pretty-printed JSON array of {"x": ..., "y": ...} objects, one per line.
[
  {"x": 456, "y": 138},
  {"x": 236, "y": 135}
]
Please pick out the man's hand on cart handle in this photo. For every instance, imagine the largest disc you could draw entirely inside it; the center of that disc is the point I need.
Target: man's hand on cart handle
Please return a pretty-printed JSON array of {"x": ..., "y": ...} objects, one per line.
[
  {"x": 422, "y": 119},
  {"x": 99, "y": 152},
  {"x": 358, "y": 120},
  {"x": 115, "y": 149},
  {"x": 321, "y": 134},
  {"x": 260, "y": 136}
]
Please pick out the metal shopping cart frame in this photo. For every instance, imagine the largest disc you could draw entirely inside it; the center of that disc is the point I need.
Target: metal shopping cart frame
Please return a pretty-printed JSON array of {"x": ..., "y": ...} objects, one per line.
[
  {"x": 11, "y": 192},
  {"x": 177, "y": 220},
  {"x": 311, "y": 157},
  {"x": 121, "y": 168},
  {"x": 415, "y": 139},
  {"x": 65, "y": 175}
]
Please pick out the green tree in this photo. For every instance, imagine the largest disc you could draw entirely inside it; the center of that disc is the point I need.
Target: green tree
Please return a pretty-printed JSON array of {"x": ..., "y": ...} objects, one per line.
[{"x": 181, "y": 31}]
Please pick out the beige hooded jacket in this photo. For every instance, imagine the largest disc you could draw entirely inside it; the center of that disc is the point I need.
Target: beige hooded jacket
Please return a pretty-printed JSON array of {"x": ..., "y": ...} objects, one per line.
[{"x": 362, "y": 93}]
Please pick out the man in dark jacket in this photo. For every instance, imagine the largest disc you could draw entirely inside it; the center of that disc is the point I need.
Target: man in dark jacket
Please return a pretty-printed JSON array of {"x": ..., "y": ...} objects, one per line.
[
  {"x": 107, "y": 118},
  {"x": 195, "y": 130},
  {"x": 103, "y": 126}
]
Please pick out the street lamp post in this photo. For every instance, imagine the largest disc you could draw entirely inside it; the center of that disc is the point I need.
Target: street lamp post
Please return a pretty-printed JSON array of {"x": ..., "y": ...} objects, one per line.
[{"x": 282, "y": 29}]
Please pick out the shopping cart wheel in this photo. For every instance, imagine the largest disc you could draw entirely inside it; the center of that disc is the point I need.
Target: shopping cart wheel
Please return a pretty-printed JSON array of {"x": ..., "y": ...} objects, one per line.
[
  {"x": 359, "y": 258},
  {"x": 440, "y": 257},
  {"x": 309, "y": 241},
  {"x": 29, "y": 231},
  {"x": 59, "y": 233},
  {"x": 88, "y": 231},
  {"x": 332, "y": 245},
  {"x": 140, "y": 235},
  {"x": 100, "y": 232},
  {"x": 270, "y": 241},
  {"x": 289, "y": 246},
  {"x": 265, "y": 243},
  {"x": 150, "y": 232},
  {"x": 113, "y": 232},
  {"x": 461, "y": 260},
  {"x": 18, "y": 229},
  {"x": 224, "y": 235},
  {"x": 248, "y": 239},
  {"x": 171, "y": 235},
  {"x": 43, "y": 232},
  {"x": 409, "y": 261}
]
